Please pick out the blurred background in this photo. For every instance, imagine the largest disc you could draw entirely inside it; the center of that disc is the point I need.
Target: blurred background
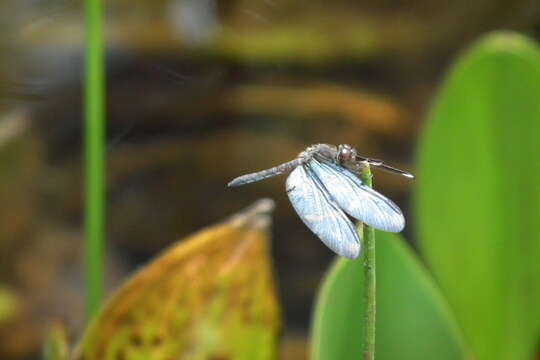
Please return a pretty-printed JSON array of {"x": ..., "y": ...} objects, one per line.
[{"x": 199, "y": 92}]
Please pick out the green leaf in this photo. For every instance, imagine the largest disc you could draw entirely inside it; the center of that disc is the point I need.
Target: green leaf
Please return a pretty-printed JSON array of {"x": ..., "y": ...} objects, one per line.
[
  {"x": 478, "y": 195},
  {"x": 412, "y": 319}
]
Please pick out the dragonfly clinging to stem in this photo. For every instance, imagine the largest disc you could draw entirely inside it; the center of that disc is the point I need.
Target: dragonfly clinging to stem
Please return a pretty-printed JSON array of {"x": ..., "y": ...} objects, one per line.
[{"x": 325, "y": 191}]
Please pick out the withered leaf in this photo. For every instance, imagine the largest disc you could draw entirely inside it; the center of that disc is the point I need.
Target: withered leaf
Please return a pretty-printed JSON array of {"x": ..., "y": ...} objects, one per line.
[{"x": 210, "y": 296}]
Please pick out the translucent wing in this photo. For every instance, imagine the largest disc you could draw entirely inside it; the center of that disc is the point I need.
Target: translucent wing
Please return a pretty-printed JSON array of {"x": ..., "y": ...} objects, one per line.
[
  {"x": 321, "y": 214},
  {"x": 359, "y": 201}
]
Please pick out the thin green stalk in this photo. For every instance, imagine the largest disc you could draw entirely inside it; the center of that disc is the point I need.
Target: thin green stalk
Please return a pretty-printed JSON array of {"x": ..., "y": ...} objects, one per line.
[
  {"x": 369, "y": 278},
  {"x": 94, "y": 153}
]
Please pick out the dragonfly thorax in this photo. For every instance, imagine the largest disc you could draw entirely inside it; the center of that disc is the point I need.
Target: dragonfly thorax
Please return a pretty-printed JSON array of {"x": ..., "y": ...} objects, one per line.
[
  {"x": 344, "y": 155},
  {"x": 322, "y": 152}
]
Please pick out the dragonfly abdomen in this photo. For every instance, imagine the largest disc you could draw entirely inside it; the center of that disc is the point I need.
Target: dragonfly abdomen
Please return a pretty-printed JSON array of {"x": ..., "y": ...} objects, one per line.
[{"x": 265, "y": 174}]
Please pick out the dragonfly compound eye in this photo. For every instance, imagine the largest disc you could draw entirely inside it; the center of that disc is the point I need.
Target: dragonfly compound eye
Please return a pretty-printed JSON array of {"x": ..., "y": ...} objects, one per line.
[{"x": 346, "y": 153}]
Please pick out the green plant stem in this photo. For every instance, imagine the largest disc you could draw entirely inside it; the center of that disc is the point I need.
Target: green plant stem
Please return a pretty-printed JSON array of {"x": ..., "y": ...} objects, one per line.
[
  {"x": 369, "y": 279},
  {"x": 94, "y": 153}
]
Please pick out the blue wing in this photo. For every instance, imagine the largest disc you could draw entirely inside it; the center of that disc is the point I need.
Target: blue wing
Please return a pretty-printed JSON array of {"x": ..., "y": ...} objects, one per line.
[
  {"x": 359, "y": 201},
  {"x": 321, "y": 214}
]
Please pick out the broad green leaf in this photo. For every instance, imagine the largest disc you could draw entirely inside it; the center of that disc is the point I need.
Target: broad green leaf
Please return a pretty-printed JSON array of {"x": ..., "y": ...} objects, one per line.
[
  {"x": 478, "y": 195},
  {"x": 412, "y": 319},
  {"x": 211, "y": 296}
]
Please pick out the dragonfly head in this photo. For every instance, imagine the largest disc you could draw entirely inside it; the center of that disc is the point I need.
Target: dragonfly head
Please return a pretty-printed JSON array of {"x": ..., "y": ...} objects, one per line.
[{"x": 346, "y": 154}]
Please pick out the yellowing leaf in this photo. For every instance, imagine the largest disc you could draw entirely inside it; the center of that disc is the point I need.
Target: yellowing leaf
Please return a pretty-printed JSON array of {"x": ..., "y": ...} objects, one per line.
[{"x": 211, "y": 296}]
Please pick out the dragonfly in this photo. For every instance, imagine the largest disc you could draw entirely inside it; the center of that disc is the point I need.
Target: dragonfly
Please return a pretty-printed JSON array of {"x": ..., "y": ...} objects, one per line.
[{"x": 325, "y": 191}]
